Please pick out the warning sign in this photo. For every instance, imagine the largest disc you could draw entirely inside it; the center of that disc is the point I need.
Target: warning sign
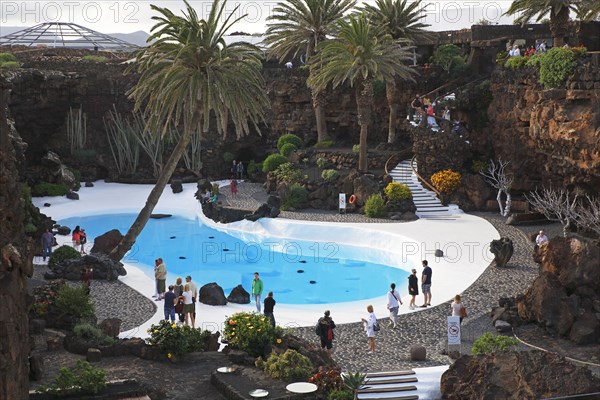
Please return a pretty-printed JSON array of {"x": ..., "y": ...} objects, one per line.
[{"x": 453, "y": 330}]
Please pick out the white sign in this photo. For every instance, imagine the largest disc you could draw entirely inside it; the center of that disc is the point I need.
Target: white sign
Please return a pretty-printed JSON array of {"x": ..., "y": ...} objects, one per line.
[
  {"x": 342, "y": 201},
  {"x": 453, "y": 330}
]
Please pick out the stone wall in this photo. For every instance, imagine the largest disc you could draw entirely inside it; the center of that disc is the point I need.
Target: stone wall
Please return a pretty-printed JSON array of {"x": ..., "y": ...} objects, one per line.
[{"x": 550, "y": 136}]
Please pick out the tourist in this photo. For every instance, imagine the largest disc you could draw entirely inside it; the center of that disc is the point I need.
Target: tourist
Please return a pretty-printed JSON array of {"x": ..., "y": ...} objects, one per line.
[
  {"x": 257, "y": 289},
  {"x": 516, "y": 51},
  {"x": 160, "y": 275},
  {"x": 214, "y": 197},
  {"x": 194, "y": 290},
  {"x": 417, "y": 105},
  {"x": 233, "y": 168},
  {"x": 538, "y": 42},
  {"x": 369, "y": 325},
  {"x": 82, "y": 240},
  {"x": 240, "y": 170},
  {"x": 87, "y": 274},
  {"x": 426, "y": 284},
  {"x": 188, "y": 306},
  {"x": 170, "y": 300},
  {"x": 543, "y": 46},
  {"x": 541, "y": 238},
  {"x": 325, "y": 327},
  {"x": 413, "y": 288},
  {"x": 47, "y": 243},
  {"x": 155, "y": 280},
  {"x": 431, "y": 116},
  {"x": 232, "y": 186},
  {"x": 446, "y": 113},
  {"x": 75, "y": 237},
  {"x": 269, "y": 305},
  {"x": 206, "y": 197},
  {"x": 178, "y": 290},
  {"x": 458, "y": 309},
  {"x": 393, "y": 298}
]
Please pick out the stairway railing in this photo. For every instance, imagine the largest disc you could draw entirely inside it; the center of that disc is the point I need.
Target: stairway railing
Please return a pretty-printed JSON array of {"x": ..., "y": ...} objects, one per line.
[
  {"x": 423, "y": 180},
  {"x": 400, "y": 155}
]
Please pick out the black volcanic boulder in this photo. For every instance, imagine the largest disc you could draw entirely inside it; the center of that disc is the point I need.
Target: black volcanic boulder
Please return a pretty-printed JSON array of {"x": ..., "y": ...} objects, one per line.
[
  {"x": 103, "y": 268},
  {"x": 63, "y": 230},
  {"x": 503, "y": 250},
  {"x": 212, "y": 294},
  {"x": 177, "y": 186},
  {"x": 239, "y": 295},
  {"x": 106, "y": 242}
]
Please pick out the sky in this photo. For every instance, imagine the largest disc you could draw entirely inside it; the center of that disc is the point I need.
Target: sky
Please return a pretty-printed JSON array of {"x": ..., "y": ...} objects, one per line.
[{"x": 121, "y": 16}]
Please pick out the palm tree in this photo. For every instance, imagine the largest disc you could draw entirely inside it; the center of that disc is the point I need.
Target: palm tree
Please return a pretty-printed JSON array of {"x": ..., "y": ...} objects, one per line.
[
  {"x": 401, "y": 20},
  {"x": 558, "y": 10},
  {"x": 298, "y": 27},
  {"x": 188, "y": 75},
  {"x": 360, "y": 54}
]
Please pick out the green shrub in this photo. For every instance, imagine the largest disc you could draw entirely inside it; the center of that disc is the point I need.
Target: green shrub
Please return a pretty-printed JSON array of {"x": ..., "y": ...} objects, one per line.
[
  {"x": 97, "y": 59},
  {"x": 287, "y": 172},
  {"x": 44, "y": 296},
  {"x": 322, "y": 162},
  {"x": 49, "y": 189},
  {"x": 75, "y": 301},
  {"x": 488, "y": 343},
  {"x": 253, "y": 167},
  {"x": 501, "y": 57},
  {"x": 287, "y": 149},
  {"x": 396, "y": 191},
  {"x": 177, "y": 340},
  {"x": 7, "y": 57},
  {"x": 356, "y": 148},
  {"x": 375, "y": 206},
  {"x": 251, "y": 332},
  {"x": 215, "y": 188},
  {"x": 93, "y": 334},
  {"x": 534, "y": 60},
  {"x": 297, "y": 197},
  {"x": 30, "y": 229},
  {"x": 10, "y": 65},
  {"x": 289, "y": 366},
  {"x": 289, "y": 138},
  {"x": 324, "y": 144},
  {"x": 556, "y": 65},
  {"x": 341, "y": 394},
  {"x": 83, "y": 379},
  {"x": 516, "y": 62},
  {"x": 446, "y": 56},
  {"x": 64, "y": 252},
  {"x": 354, "y": 380},
  {"x": 479, "y": 166},
  {"x": 330, "y": 174},
  {"x": 378, "y": 87},
  {"x": 273, "y": 161},
  {"x": 228, "y": 157}
]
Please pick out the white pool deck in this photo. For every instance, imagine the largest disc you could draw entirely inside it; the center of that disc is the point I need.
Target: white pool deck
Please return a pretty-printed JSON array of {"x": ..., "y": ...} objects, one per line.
[{"x": 464, "y": 241}]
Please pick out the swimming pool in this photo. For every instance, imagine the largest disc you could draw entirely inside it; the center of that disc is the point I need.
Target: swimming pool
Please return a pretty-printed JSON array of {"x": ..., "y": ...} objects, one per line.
[{"x": 298, "y": 272}]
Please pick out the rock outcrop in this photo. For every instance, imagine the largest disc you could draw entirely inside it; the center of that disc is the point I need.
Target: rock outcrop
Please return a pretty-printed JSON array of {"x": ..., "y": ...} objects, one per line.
[
  {"x": 103, "y": 268},
  {"x": 212, "y": 294},
  {"x": 565, "y": 298},
  {"x": 513, "y": 375},
  {"x": 503, "y": 250},
  {"x": 106, "y": 242}
]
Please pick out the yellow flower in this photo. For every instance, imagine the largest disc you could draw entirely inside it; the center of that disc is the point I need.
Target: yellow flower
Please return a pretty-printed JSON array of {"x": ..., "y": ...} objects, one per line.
[
  {"x": 174, "y": 326},
  {"x": 169, "y": 355},
  {"x": 279, "y": 341},
  {"x": 251, "y": 327},
  {"x": 148, "y": 330},
  {"x": 156, "y": 331},
  {"x": 232, "y": 333}
]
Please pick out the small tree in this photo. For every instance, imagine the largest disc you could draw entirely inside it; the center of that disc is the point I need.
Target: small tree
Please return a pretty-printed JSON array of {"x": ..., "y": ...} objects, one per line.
[
  {"x": 446, "y": 56},
  {"x": 497, "y": 177},
  {"x": 556, "y": 205},
  {"x": 589, "y": 217}
]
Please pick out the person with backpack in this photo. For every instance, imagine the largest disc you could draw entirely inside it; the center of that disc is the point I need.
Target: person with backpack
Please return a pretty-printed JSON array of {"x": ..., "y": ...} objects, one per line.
[
  {"x": 324, "y": 330},
  {"x": 393, "y": 304}
]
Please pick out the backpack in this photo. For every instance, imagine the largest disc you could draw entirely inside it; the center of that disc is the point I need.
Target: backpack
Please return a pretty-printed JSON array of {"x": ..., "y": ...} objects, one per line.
[{"x": 318, "y": 328}]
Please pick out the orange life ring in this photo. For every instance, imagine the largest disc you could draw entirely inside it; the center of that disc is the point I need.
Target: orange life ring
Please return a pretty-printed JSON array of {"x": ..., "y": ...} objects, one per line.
[{"x": 352, "y": 199}]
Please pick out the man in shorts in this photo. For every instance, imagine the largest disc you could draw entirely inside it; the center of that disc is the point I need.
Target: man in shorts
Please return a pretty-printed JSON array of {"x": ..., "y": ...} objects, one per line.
[
  {"x": 426, "y": 284},
  {"x": 325, "y": 327}
]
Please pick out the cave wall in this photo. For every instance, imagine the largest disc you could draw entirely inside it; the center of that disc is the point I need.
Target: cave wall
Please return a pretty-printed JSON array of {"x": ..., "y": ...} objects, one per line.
[
  {"x": 15, "y": 264},
  {"x": 551, "y": 137}
]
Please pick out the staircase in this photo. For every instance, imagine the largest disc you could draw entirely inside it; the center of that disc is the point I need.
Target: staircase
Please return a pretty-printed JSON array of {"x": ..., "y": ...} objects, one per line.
[
  {"x": 426, "y": 201},
  {"x": 393, "y": 385}
]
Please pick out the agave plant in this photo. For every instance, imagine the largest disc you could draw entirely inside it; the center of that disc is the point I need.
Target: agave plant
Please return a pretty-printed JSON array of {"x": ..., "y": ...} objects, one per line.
[{"x": 354, "y": 381}]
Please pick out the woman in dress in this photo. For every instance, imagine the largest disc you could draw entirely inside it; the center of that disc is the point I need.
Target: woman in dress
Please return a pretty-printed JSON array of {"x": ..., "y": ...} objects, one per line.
[
  {"x": 188, "y": 305},
  {"x": 413, "y": 288},
  {"x": 369, "y": 325},
  {"x": 458, "y": 310}
]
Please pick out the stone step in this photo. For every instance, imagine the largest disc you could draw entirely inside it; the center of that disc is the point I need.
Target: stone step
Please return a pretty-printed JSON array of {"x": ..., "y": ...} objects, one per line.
[
  {"x": 387, "y": 389},
  {"x": 408, "y": 397},
  {"x": 389, "y": 380},
  {"x": 390, "y": 373}
]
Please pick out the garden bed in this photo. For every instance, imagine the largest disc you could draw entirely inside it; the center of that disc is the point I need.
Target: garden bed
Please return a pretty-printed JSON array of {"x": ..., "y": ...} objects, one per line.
[{"x": 114, "y": 390}]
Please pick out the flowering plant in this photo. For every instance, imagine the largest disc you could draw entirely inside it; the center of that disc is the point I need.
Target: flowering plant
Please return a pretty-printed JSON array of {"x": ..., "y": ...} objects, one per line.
[
  {"x": 446, "y": 181},
  {"x": 251, "y": 332},
  {"x": 327, "y": 379},
  {"x": 45, "y": 297},
  {"x": 176, "y": 340}
]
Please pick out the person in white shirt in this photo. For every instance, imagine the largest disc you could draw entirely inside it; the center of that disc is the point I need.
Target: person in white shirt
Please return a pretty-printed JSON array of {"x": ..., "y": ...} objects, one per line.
[
  {"x": 369, "y": 326},
  {"x": 516, "y": 51},
  {"x": 393, "y": 303},
  {"x": 194, "y": 291},
  {"x": 458, "y": 310},
  {"x": 541, "y": 238},
  {"x": 188, "y": 305}
]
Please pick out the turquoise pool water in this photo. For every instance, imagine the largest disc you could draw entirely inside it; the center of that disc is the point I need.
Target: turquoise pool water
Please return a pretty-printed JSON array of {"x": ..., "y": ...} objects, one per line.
[{"x": 297, "y": 272}]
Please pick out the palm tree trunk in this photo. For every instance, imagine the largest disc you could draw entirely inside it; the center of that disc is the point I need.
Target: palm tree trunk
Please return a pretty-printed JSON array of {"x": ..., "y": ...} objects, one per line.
[
  {"x": 140, "y": 222},
  {"x": 559, "y": 26},
  {"x": 318, "y": 97},
  {"x": 391, "y": 92},
  {"x": 364, "y": 99}
]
